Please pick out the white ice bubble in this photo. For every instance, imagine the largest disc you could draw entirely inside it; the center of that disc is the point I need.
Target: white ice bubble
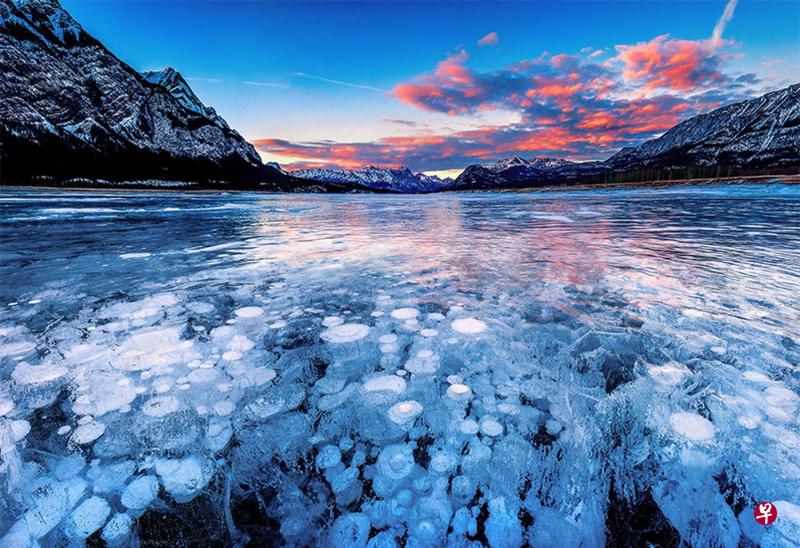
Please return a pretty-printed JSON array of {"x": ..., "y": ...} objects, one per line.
[
  {"x": 231, "y": 355},
  {"x": 469, "y": 326},
  {"x": 331, "y": 321},
  {"x": 491, "y": 427},
  {"x": 404, "y": 411},
  {"x": 184, "y": 478},
  {"x": 89, "y": 432},
  {"x": 88, "y": 517},
  {"x": 376, "y": 314},
  {"x": 134, "y": 255},
  {"x": 37, "y": 374},
  {"x": 161, "y": 406},
  {"x": 345, "y": 333},
  {"x": 117, "y": 529},
  {"x": 249, "y": 312},
  {"x": 224, "y": 408},
  {"x": 328, "y": 457},
  {"x": 428, "y": 332},
  {"x": 691, "y": 426},
  {"x": 469, "y": 426},
  {"x": 278, "y": 324},
  {"x": 390, "y": 383},
  {"x": 389, "y": 338},
  {"x": 139, "y": 493},
  {"x": 459, "y": 391},
  {"x": 436, "y": 316},
  {"x": 404, "y": 313}
]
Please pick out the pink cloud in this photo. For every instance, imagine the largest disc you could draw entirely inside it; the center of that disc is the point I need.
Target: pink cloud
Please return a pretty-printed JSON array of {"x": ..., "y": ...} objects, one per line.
[{"x": 491, "y": 39}]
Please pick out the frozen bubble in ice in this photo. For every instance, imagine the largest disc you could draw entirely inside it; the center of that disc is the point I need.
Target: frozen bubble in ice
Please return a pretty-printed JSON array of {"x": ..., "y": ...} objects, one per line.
[
  {"x": 126, "y": 256},
  {"x": 64, "y": 430},
  {"x": 184, "y": 478},
  {"x": 404, "y": 313},
  {"x": 344, "y": 333},
  {"x": 454, "y": 379},
  {"x": 278, "y": 324},
  {"x": 37, "y": 374},
  {"x": 390, "y": 383},
  {"x": 331, "y": 321},
  {"x": 6, "y": 407},
  {"x": 428, "y": 332},
  {"x": 553, "y": 427},
  {"x": 350, "y": 530},
  {"x": 443, "y": 462},
  {"x": 88, "y": 517},
  {"x": 224, "y": 408},
  {"x": 262, "y": 375},
  {"x": 117, "y": 530},
  {"x": 389, "y": 338},
  {"x": 199, "y": 307},
  {"x": 328, "y": 457},
  {"x": 459, "y": 391},
  {"x": 376, "y": 314},
  {"x": 755, "y": 376},
  {"x": 404, "y": 411},
  {"x": 249, "y": 312},
  {"x": 139, "y": 493},
  {"x": 669, "y": 374},
  {"x": 401, "y": 372},
  {"x": 241, "y": 343},
  {"x": 18, "y": 429},
  {"x": 436, "y": 316},
  {"x": 231, "y": 356},
  {"x": 425, "y": 353},
  {"x": 691, "y": 426},
  {"x": 491, "y": 427},
  {"x": 469, "y": 326},
  {"x": 89, "y": 432},
  {"x": 161, "y": 406},
  {"x": 396, "y": 461},
  {"x": 781, "y": 396}
]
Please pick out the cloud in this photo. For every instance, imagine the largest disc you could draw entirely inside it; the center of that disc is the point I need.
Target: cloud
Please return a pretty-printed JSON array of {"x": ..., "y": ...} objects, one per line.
[
  {"x": 666, "y": 63},
  {"x": 491, "y": 39},
  {"x": 265, "y": 84},
  {"x": 724, "y": 19},
  {"x": 338, "y": 82}
]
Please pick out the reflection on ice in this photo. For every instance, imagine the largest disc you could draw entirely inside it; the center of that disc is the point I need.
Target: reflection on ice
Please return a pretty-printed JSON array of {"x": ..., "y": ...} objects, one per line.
[{"x": 561, "y": 369}]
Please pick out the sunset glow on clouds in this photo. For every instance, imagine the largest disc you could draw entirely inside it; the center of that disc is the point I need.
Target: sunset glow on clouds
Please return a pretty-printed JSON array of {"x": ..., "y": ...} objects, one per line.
[{"x": 580, "y": 106}]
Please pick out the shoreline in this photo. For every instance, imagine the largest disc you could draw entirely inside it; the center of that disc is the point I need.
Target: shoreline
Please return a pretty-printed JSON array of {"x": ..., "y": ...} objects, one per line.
[{"x": 705, "y": 181}]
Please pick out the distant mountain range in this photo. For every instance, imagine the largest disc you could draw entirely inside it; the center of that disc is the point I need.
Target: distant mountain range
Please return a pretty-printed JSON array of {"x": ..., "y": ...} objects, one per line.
[
  {"x": 72, "y": 112},
  {"x": 401, "y": 180}
]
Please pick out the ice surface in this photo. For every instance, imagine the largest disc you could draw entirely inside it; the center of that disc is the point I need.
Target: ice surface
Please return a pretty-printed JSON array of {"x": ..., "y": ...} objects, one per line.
[{"x": 323, "y": 371}]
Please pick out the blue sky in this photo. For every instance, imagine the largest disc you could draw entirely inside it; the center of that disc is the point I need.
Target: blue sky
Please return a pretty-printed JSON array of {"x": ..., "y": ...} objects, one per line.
[{"x": 289, "y": 72}]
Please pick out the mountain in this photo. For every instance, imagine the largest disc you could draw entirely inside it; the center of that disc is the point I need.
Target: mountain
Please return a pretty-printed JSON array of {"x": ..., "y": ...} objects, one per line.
[
  {"x": 172, "y": 81},
  {"x": 519, "y": 172},
  {"x": 757, "y": 136},
  {"x": 70, "y": 109},
  {"x": 759, "y": 133},
  {"x": 401, "y": 180}
]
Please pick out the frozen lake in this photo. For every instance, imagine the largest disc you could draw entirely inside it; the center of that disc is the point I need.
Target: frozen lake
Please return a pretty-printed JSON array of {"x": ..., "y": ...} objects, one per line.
[{"x": 561, "y": 369}]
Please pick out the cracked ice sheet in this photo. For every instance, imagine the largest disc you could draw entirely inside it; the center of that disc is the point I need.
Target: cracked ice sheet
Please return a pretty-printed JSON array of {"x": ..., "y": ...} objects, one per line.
[{"x": 437, "y": 385}]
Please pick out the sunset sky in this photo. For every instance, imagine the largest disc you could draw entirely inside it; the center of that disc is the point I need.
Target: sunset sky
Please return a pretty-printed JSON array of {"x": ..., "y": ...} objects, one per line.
[{"x": 439, "y": 86}]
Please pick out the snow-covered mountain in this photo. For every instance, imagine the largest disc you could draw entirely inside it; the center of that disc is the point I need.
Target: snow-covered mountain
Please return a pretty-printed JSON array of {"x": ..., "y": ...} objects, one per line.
[
  {"x": 754, "y": 136},
  {"x": 172, "y": 81},
  {"x": 396, "y": 180},
  {"x": 761, "y": 132},
  {"x": 67, "y": 99}
]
